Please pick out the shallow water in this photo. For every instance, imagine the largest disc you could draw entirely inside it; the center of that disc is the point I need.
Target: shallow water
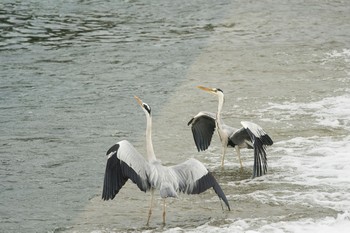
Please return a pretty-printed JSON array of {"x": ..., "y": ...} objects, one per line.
[{"x": 69, "y": 71}]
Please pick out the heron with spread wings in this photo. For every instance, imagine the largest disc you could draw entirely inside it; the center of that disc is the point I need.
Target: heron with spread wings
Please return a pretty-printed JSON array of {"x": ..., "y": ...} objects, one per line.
[
  {"x": 124, "y": 162},
  {"x": 250, "y": 135}
]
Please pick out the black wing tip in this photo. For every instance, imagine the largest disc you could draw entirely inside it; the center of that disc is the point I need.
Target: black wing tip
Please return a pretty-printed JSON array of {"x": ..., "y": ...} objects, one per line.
[
  {"x": 218, "y": 190},
  {"x": 266, "y": 140},
  {"x": 107, "y": 197},
  {"x": 260, "y": 167},
  {"x": 203, "y": 128},
  {"x": 202, "y": 147},
  {"x": 117, "y": 173},
  {"x": 200, "y": 142},
  {"x": 260, "y": 160},
  {"x": 206, "y": 182},
  {"x": 190, "y": 122},
  {"x": 258, "y": 174},
  {"x": 110, "y": 184},
  {"x": 228, "y": 207},
  {"x": 259, "y": 170},
  {"x": 113, "y": 148}
]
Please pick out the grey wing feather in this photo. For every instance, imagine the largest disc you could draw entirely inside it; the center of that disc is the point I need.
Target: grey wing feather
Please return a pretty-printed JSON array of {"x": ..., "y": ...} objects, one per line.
[
  {"x": 238, "y": 137},
  {"x": 194, "y": 178},
  {"x": 258, "y": 132},
  {"x": 203, "y": 126},
  {"x": 124, "y": 163},
  {"x": 260, "y": 139}
]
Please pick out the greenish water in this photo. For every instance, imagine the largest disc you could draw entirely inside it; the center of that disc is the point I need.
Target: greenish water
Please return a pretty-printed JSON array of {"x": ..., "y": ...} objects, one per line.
[{"x": 70, "y": 69}]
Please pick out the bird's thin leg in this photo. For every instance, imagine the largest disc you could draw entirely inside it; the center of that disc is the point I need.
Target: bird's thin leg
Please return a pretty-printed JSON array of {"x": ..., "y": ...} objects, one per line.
[
  {"x": 151, "y": 205},
  {"x": 164, "y": 211},
  {"x": 239, "y": 156},
  {"x": 223, "y": 156}
]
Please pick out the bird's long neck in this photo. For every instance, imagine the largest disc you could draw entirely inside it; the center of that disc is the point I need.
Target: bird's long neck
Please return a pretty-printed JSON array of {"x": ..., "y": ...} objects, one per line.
[
  {"x": 150, "y": 152},
  {"x": 220, "y": 105}
]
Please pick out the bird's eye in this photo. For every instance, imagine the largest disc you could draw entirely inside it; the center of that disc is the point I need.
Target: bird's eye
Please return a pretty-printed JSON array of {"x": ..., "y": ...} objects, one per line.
[{"x": 218, "y": 89}]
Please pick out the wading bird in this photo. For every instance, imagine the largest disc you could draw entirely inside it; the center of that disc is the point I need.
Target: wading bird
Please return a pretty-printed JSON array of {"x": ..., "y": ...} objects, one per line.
[
  {"x": 124, "y": 162},
  {"x": 250, "y": 136}
]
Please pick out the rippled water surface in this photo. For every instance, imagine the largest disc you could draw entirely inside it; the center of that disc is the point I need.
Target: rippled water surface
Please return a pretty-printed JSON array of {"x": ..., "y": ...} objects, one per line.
[{"x": 68, "y": 74}]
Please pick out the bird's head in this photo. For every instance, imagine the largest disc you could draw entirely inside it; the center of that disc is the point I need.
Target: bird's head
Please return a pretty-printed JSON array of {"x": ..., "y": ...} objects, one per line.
[
  {"x": 215, "y": 91},
  {"x": 145, "y": 107}
]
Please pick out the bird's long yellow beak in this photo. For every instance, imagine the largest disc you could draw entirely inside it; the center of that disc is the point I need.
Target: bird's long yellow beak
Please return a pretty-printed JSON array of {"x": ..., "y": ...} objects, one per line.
[
  {"x": 207, "y": 89},
  {"x": 139, "y": 101}
]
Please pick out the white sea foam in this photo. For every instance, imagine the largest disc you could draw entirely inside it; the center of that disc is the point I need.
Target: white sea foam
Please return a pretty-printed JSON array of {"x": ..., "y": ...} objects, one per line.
[
  {"x": 335, "y": 54},
  {"x": 320, "y": 156},
  {"x": 339, "y": 224},
  {"x": 332, "y": 112}
]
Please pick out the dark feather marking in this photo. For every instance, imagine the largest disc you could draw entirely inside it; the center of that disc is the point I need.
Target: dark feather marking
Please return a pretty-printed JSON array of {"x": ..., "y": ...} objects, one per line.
[
  {"x": 208, "y": 181},
  {"x": 238, "y": 137},
  {"x": 230, "y": 143},
  {"x": 117, "y": 174},
  {"x": 113, "y": 180},
  {"x": 190, "y": 122},
  {"x": 115, "y": 148},
  {"x": 202, "y": 129},
  {"x": 266, "y": 140},
  {"x": 203, "y": 184},
  {"x": 260, "y": 160}
]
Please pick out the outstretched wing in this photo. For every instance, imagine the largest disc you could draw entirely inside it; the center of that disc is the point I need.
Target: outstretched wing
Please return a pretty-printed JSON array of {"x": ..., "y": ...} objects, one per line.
[
  {"x": 203, "y": 126},
  {"x": 123, "y": 163},
  {"x": 253, "y": 133},
  {"x": 194, "y": 178}
]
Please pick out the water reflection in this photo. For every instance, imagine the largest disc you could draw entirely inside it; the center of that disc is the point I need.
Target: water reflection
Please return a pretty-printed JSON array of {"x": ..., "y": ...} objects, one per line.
[{"x": 65, "y": 24}]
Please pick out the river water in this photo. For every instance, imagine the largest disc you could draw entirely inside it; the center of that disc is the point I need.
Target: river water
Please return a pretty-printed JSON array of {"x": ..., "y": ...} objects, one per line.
[{"x": 70, "y": 69}]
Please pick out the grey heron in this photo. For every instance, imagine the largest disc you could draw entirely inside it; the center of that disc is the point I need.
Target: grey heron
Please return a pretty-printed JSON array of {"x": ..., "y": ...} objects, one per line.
[
  {"x": 250, "y": 136},
  {"x": 125, "y": 162}
]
